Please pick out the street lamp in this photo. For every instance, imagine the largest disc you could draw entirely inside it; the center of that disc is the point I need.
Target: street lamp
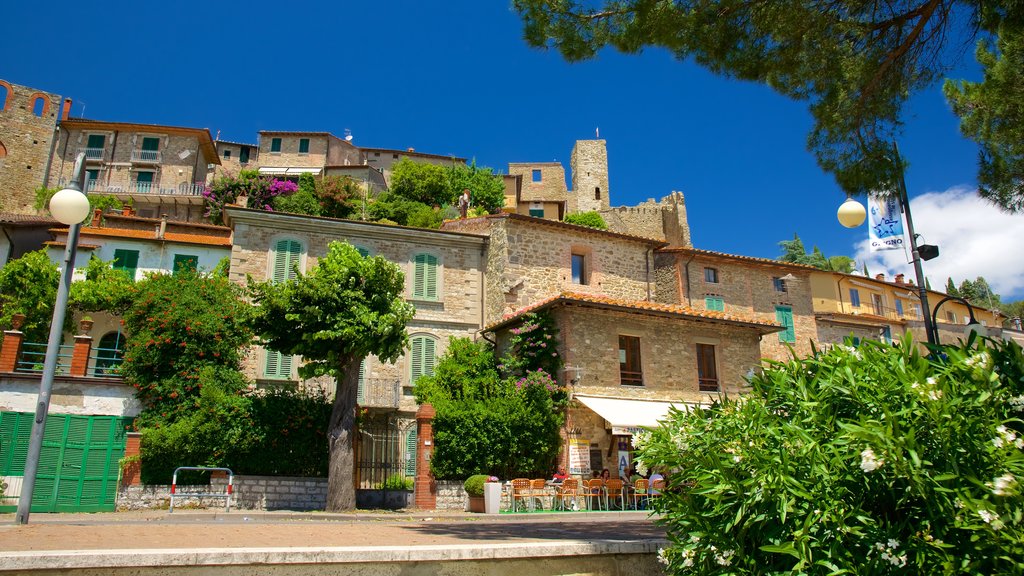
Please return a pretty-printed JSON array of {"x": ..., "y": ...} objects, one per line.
[
  {"x": 68, "y": 206},
  {"x": 972, "y": 323},
  {"x": 852, "y": 213}
]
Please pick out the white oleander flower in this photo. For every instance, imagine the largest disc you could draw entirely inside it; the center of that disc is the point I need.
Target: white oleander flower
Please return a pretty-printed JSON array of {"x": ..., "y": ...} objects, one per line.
[
  {"x": 724, "y": 558},
  {"x": 1018, "y": 403},
  {"x": 991, "y": 518},
  {"x": 663, "y": 556},
  {"x": 869, "y": 462},
  {"x": 1003, "y": 485}
]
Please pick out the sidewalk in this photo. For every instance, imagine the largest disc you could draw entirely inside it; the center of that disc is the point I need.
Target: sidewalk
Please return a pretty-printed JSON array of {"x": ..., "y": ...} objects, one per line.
[{"x": 157, "y": 538}]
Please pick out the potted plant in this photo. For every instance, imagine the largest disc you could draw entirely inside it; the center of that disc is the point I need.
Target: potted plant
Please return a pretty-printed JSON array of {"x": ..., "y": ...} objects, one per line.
[
  {"x": 474, "y": 486},
  {"x": 85, "y": 324}
]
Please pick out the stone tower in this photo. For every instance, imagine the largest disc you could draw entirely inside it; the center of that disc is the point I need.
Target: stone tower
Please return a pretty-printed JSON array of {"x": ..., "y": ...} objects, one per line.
[
  {"x": 589, "y": 165},
  {"x": 28, "y": 122}
]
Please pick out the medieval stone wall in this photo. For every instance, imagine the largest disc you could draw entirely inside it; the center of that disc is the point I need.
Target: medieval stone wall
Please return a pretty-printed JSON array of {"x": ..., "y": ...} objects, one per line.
[
  {"x": 589, "y": 165},
  {"x": 662, "y": 220},
  {"x": 26, "y": 139}
]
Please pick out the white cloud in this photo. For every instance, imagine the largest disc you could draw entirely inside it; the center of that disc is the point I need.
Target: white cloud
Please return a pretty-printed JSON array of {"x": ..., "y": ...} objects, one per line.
[{"x": 974, "y": 238}]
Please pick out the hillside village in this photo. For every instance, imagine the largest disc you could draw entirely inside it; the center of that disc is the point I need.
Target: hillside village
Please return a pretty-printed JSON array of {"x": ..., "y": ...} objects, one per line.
[{"x": 646, "y": 319}]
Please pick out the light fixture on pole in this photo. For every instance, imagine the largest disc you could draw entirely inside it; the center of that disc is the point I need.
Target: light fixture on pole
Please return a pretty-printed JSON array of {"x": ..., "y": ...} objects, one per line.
[
  {"x": 68, "y": 206},
  {"x": 851, "y": 214}
]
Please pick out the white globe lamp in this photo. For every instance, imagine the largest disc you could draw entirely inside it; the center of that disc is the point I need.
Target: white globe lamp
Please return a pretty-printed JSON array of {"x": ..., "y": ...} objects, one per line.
[
  {"x": 69, "y": 206},
  {"x": 851, "y": 213}
]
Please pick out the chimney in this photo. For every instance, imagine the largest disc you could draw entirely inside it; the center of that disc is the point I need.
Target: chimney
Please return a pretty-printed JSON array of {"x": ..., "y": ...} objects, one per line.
[
  {"x": 126, "y": 210},
  {"x": 411, "y": 149},
  {"x": 899, "y": 278},
  {"x": 65, "y": 110},
  {"x": 97, "y": 217},
  {"x": 163, "y": 227},
  {"x": 880, "y": 277}
]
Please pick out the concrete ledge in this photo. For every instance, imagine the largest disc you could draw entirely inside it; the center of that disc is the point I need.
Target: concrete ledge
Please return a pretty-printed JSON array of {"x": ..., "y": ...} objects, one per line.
[{"x": 124, "y": 558}]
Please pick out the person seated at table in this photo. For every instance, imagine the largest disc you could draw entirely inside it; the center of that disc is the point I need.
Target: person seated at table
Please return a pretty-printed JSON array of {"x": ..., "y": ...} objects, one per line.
[
  {"x": 559, "y": 476},
  {"x": 654, "y": 477},
  {"x": 605, "y": 475},
  {"x": 634, "y": 476}
]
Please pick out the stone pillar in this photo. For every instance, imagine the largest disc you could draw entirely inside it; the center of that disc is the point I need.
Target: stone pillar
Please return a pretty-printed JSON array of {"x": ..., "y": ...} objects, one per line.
[
  {"x": 425, "y": 486},
  {"x": 80, "y": 355},
  {"x": 10, "y": 350},
  {"x": 132, "y": 469}
]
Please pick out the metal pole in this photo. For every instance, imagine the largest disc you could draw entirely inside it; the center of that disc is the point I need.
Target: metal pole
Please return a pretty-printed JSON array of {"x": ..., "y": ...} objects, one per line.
[
  {"x": 921, "y": 286},
  {"x": 35, "y": 444}
]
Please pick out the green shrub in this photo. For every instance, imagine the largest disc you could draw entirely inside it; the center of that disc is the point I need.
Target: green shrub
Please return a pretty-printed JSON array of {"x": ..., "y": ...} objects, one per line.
[
  {"x": 474, "y": 485},
  {"x": 397, "y": 481},
  {"x": 589, "y": 219},
  {"x": 28, "y": 285},
  {"x": 867, "y": 460}
]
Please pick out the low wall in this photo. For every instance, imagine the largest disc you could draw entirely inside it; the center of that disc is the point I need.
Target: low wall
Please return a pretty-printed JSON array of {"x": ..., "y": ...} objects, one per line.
[
  {"x": 452, "y": 496},
  {"x": 250, "y": 493}
]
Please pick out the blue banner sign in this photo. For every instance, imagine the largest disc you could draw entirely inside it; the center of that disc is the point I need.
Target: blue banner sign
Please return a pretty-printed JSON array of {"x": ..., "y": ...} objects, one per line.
[{"x": 885, "y": 224}]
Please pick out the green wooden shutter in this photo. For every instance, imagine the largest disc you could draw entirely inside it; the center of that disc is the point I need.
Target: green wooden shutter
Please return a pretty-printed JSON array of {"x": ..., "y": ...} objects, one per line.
[
  {"x": 96, "y": 141},
  {"x": 278, "y": 365},
  {"x": 361, "y": 394},
  {"x": 784, "y": 316},
  {"x": 714, "y": 303},
  {"x": 425, "y": 277},
  {"x": 423, "y": 357},
  {"x": 151, "y": 144},
  {"x": 185, "y": 262},
  {"x": 364, "y": 252},
  {"x": 410, "y": 453},
  {"x": 127, "y": 260},
  {"x": 286, "y": 257}
]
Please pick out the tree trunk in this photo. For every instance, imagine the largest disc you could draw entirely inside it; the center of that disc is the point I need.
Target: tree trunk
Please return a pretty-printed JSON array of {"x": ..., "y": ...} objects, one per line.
[{"x": 341, "y": 493}]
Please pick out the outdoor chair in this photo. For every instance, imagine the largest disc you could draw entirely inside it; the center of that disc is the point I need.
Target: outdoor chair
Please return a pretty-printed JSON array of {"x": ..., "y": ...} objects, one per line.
[
  {"x": 595, "y": 489},
  {"x": 538, "y": 491},
  {"x": 568, "y": 491},
  {"x": 639, "y": 493},
  {"x": 521, "y": 491},
  {"x": 613, "y": 492},
  {"x": 656, "y": 488}
]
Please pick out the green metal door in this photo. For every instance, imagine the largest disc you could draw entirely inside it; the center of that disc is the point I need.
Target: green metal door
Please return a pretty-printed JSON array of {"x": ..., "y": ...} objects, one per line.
[{"x": 78, "y": 467}]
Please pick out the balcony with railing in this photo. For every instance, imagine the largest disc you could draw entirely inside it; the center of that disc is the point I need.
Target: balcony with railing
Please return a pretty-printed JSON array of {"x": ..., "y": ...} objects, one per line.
[
  {"x": 91, "y": 154},
  {"x": 183, "y": 189},
  {"x": 874, "y": 309},
  {"x": 146, "y": 156},
  {"x": 379, "y": 393}
]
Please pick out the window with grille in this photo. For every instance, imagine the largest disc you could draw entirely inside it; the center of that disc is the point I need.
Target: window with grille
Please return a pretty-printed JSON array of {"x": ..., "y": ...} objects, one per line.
[
  {"x": 424, "y": 277},
  {"x": 707, "y": 370}
]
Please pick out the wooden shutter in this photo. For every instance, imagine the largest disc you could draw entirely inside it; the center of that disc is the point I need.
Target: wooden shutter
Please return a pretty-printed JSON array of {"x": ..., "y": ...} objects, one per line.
[
  {"x": 714, "y": 303},
  {"x": 96, "y": 141},
  {"x": 423, "y": 359},
  {"x": 784, "y": 316},
  {"x": 287, "y": 255},
  {"x": 278, "y": 365},
  {"x": 425, "y": 277},
  {"x": 185, "y": 262},
  {"x": 361, "y": 393},
  {"x": 410, "y": 453},
  {"x": 127, "y": 260},
  {"x": 151, "y": 144}
]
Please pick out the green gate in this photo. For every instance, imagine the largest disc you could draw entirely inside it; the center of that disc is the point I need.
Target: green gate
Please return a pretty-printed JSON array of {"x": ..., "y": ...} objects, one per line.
[{"x": 79, "y": 464}]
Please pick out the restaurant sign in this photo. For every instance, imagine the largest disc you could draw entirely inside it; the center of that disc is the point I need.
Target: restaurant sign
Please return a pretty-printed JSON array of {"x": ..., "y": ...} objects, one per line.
[
  {"x": 627, "y": 430},
  {"x": 579, "y": 457}
]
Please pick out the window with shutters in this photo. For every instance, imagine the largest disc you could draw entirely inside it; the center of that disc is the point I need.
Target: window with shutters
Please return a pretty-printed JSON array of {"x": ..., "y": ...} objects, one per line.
[
  {"x": 422, "y": 357},
  {"x": 784, "y": 316},
  {"x": 275, "y": 145},
  {"x": 424, "y": 277},
  {"x": 707, "y": 368},
  {"x": 303, "y": 145},
  {"x": 410, "y": 453},
  {"x": 286, "y": 257},
  {"x": 361, "y": 390},
  {"x": 184, "y": 262},
  {"x": 127, "y": 260},
  {"x": 716, "y": 303},
  {"x": 278, "y": 366}
]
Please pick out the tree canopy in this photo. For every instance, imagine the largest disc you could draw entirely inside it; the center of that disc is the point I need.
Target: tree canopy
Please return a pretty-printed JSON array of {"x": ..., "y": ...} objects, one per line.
[
  {"x": 344, "y": 309},
  {"x": 855, "y": 62},
  {"x": 793, "y": 251},
  {"x": 436, "y": 185}
]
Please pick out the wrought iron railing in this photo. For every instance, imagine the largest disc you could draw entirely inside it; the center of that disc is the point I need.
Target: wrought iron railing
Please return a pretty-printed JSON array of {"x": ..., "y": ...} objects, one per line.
[
  {"x": 91, "y": 153},
  {"x": 33, "y": 355},
  {"x": 146, "y": 156},
  {"x": 908, "y": 313},
  {"x": 106, "y": 362}
]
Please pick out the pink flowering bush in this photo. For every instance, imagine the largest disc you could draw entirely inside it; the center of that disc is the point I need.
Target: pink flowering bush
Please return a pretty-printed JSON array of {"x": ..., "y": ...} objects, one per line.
[
  {"x": 533, "y": 346},
  {"x": 260, "y": 191},
  {"x": 857, "y": 460}
]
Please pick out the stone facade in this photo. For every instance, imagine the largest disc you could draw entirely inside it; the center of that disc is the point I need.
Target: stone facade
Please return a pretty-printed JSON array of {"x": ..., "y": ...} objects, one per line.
[
  {"x": 28, "y": 120},
  {"x": 746, "y": 287},
  {"x": 458, "y": 310},
  {"x": 324, "y": 149},
  {"x": 168, "y": 180},
  {"x": 235, "y": 157},
  {"x": 589, "y": 165},
  {"x": 529, "y": 259},
  {"x": 540, "y": 180},
  {"x": 662, "y": 220}
]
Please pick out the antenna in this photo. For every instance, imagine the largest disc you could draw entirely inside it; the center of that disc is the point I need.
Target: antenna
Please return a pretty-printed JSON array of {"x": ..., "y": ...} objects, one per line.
[{"x": 597, "y": 132}]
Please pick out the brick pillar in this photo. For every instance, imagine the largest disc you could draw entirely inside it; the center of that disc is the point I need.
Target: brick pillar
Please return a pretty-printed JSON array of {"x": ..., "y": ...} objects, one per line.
[
  {"x": 10, "y": 350},
  {"x": 80, "y": 355},
  {"x": 425, "y": 487},
  {"x": 130, "y": 472}
]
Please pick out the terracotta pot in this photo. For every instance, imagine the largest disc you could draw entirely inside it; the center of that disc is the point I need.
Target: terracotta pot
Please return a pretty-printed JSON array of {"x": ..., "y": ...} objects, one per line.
[
  {"x": 17, "y": 321},
  {"x": 85, "y": 326},
  {"x": 476, "y": 504}
]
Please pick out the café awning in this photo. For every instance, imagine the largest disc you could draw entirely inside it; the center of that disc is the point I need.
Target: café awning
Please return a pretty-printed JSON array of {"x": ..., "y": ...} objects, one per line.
[
  {"x": 629, "y": 416},
  {"x": 276, "y": 170}
]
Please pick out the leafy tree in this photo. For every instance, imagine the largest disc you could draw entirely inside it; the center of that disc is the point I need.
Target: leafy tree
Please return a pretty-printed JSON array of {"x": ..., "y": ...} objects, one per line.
[
  {"x": 793, "y": 251},
  {"x": 303, "y": 201},
  {"x": 968, "y": 291},
  {"x": 184, "y": 332},
  {"x": 866, "y": 460},
  {"x": 103, "y": 290},
  {"x": 1013, "y": 310},
  {"x": 344, "y": 309},
  {"x": 486, "y": 189},
  {"x": 261, "y": 192},
  {"x": 991, "y": 114},
  {"x": 28, "y": 285},
  {"x": 466, "y": 371},
  {"x": 394, "y": 208},
  {"x": 96, "y": 201},
  {"x": 591, "y": 219},
  {"x": 532, "y": 347},
  {"x": 339, "y": 196},
  {"x": 421, "y": 182},
  {"x": 855, "y": 62}
]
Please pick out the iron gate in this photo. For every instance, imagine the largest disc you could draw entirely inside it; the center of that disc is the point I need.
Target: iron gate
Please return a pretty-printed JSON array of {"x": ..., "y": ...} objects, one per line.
[{"x": 385, "y": 448}]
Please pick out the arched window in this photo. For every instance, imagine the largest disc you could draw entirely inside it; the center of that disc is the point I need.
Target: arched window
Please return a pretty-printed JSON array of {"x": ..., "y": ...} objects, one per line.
[
  {"x": 424, "y": 277},
  {"x": 40, "y": 106},
  {"x": 3, "y": 151},
  {"x": 5, "y": 95},
  {"x": 109, "y": 354},
  {"x": 422, "y": 357}
]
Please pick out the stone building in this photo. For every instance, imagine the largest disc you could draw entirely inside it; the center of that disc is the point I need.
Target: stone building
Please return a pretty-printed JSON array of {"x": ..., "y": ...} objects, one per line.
[
  {"x": 758, "y": 288},
  {"x": 28, "y": 131},
  {"x": 234, "y": 157},
  {"x": 158, "y": 170},
  {"x": 383, "y": 159}
]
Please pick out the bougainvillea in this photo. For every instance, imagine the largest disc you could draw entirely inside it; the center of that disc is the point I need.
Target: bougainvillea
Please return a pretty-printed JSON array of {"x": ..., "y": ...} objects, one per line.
[
  {"x": 533, "y": 345},
  {"x": 260, "y": 191}
]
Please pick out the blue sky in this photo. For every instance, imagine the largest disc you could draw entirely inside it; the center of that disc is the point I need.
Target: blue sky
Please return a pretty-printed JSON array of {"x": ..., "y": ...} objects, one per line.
[{"x": 455, "y": 77}]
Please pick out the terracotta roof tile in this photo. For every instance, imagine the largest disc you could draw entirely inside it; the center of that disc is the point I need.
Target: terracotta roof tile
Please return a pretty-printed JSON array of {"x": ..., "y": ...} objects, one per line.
[
  {"x": 641, "y": 306},
  {"x": 150, "y": 235},
  {"x": 753, "y": 259},
  {"x": 25, "y": 219}
]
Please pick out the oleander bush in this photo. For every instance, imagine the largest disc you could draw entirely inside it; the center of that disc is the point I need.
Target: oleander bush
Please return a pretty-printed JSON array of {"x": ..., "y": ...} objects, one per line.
[{"x": 857, "y": 460}]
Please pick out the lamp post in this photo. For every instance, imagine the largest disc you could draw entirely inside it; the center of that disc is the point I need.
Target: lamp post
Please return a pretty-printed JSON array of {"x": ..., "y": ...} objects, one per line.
[
  {"x": 852, "y": 213},
  {"x": 68, "y": 206},
  {"x": 972, "y": 323}
]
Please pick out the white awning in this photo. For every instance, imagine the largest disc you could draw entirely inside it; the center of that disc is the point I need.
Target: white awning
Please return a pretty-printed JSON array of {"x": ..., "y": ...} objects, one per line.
[
  {"x": 293, "y": 170},
  {"x": 629, "y": 416}
]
